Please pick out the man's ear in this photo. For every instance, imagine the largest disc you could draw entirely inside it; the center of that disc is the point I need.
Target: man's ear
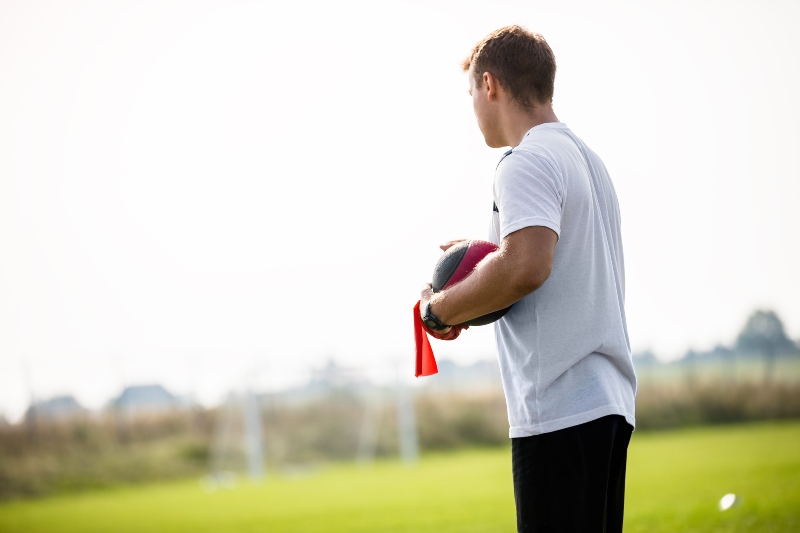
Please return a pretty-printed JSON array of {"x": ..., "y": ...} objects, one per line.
[{"x": 491, "y": 86}]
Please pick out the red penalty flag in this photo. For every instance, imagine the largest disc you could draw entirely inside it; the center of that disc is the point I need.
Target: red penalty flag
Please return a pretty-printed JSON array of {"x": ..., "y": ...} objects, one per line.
[{"x": 426, "y": 364}]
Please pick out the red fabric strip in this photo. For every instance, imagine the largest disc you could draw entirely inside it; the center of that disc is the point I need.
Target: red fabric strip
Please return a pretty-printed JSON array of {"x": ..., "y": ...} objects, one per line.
[{"x": 426, "y": 364}]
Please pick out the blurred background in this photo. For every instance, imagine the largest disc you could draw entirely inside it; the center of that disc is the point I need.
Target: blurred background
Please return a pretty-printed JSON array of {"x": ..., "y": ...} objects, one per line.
[{"x": 215, "y": 218}]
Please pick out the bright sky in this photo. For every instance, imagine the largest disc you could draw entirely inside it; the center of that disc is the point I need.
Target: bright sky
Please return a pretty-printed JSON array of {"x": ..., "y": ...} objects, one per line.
[{"x": 206, "y": 193}]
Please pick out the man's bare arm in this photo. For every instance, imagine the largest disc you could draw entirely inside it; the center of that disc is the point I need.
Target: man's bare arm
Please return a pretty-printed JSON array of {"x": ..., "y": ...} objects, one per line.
[{"x": 519, "y": 267}]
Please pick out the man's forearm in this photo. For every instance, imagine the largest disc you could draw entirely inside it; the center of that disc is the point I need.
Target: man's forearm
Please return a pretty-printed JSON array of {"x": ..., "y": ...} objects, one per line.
[
  {"x": 520, "y": 266},
  {"x": 487, "y": 289}
]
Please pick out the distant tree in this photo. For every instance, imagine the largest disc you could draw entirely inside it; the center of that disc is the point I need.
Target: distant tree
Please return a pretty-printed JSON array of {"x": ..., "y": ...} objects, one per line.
[
  {"x": 721, "y": 352},
  {"x": 727, "y": 357},
  {"x": 689, "y": 363},
  {"x": 645, "y": 358},
  {"x": 645, "y": 363},
  {"x": 763, "y": 334}
]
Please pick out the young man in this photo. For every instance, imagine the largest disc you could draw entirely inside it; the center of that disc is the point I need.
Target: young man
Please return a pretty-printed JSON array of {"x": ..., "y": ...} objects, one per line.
[{"x": 563, "y": 347}]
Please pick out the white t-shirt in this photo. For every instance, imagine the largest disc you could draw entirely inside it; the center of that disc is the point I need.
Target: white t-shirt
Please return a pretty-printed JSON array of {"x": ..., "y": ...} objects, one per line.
[{"x": 564, "y": 353}]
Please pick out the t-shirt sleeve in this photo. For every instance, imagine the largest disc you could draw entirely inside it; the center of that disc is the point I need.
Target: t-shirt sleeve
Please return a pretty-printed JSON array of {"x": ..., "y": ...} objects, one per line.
[{"x": 528, "y": 192}]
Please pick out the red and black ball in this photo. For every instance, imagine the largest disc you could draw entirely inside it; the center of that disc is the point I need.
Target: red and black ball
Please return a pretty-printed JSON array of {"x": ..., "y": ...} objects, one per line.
[{"x": 457, "y": 263}]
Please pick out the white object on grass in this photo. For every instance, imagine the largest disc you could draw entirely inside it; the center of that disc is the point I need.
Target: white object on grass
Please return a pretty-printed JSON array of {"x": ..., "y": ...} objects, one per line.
[{"x": 728, "y": 501}]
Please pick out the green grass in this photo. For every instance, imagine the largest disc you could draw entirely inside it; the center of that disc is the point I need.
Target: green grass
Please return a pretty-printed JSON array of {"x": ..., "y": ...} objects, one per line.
[{"x": 675, "y": 480}]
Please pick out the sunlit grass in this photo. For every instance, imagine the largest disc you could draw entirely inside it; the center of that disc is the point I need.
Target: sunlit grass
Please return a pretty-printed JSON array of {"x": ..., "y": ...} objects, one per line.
[{"x": 675, "y": 480}]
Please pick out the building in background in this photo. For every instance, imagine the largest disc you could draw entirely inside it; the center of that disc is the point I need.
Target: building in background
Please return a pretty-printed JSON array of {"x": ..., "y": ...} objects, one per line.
[
  {"x": 56, "y": 408},
  {"x": 147, "y": 399}
]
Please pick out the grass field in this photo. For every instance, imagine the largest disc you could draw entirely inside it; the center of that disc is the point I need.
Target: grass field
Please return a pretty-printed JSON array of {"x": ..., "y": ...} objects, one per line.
[{"x": 675, "y": 480}]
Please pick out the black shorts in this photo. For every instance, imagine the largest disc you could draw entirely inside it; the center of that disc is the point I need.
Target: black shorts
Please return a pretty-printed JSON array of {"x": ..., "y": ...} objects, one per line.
[{"x": 572, "y": 479}]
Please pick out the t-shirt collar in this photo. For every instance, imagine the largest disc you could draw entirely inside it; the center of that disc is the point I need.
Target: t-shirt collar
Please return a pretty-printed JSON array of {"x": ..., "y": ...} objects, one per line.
[{"x": 545, "y": 125}]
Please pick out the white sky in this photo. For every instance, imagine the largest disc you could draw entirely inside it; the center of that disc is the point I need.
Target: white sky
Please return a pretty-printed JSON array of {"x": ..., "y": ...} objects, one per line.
[{"x": 206, "y": 192}]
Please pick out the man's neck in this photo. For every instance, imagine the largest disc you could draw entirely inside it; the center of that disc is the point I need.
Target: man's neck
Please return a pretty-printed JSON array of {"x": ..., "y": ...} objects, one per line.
[{"x": 518, "y": 122}]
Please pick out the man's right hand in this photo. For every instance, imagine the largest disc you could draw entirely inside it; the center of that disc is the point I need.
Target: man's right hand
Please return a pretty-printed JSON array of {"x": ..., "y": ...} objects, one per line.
[
  {"x": 448, "y": 244},
  {"x": 448, "y": 334}
]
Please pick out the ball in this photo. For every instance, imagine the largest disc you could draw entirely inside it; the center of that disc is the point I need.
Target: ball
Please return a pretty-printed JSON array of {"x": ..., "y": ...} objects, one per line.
[
  {"x": 728, "y": 501},
  {"x": 457, "y": 263}
]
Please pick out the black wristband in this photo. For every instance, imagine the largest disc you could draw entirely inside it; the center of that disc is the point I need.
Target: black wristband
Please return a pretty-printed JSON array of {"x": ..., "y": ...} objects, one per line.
[{"x": 431, "y": 320}]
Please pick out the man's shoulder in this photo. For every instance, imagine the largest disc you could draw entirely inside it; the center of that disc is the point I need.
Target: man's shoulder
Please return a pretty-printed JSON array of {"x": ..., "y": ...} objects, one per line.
[
  {"x": 549, "y": 142},
  {"x": 529, "y": 157},
  {"x": 545, "y": 141},
  {"x": 508, "y": 153}
]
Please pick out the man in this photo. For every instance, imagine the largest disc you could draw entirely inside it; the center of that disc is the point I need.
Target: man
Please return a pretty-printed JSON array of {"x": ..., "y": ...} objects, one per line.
[{"x": 563, "y": 347}]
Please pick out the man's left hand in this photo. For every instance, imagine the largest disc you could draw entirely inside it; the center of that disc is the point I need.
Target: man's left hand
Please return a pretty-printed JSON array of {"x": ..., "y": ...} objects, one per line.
[
  {"x": 425, "y": 296},
  {"x": 447, "y": 334}
]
